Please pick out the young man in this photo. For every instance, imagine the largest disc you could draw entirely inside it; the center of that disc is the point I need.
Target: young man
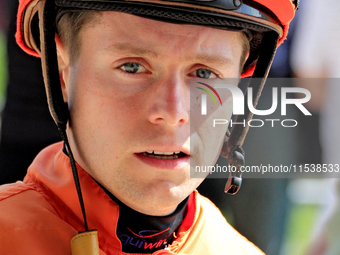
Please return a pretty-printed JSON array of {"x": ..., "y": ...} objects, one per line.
[{"x": 118, "y": 82}]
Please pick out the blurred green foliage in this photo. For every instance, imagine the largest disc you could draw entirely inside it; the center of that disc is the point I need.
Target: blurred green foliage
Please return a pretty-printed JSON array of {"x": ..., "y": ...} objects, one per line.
[
  {"x": 300, "y": 228},
  {"x": 3, "y": 66}
]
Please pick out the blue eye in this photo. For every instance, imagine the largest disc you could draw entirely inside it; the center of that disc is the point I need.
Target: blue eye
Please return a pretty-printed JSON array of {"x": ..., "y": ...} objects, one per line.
[
  {"x": 205, "y": 73},
  {"x": 133, "y": 67}
]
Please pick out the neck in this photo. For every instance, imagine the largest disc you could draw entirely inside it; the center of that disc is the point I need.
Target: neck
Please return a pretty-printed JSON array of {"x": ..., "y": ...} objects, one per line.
[{"x": 141, "y": 233}]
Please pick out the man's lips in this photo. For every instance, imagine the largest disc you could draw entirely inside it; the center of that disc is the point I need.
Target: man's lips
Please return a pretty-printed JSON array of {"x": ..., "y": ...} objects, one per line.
[
  {"x": 164, "y": 159},
  {"x": 164, "y": 154},
  {"x": 166, "y": 150}
]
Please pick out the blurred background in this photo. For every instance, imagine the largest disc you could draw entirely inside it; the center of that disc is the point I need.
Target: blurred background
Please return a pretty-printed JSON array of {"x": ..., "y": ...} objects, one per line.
[{"x": 281, "y": 216}]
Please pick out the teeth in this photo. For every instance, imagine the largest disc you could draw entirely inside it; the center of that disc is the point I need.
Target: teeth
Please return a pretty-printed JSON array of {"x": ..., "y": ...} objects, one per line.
[
  {"x": 160, "y": 152},
  {"x": 163, "y": 152},
  {"x": 168, "y": 153},
  {"x": 160, "y": 157},
  {"x": 151, "y": 156}
]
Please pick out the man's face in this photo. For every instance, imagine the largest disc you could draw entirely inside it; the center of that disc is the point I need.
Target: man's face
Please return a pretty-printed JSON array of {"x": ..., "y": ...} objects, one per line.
[{"x": 128, "y": 94}]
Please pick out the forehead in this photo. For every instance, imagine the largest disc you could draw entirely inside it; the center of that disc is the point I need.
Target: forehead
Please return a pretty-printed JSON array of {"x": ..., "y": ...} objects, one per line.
[{"x": 113, "y": 30}]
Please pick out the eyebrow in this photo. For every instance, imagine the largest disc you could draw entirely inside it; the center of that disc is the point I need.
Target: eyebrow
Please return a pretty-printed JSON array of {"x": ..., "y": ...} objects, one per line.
[
  {"x": 141, "y": 51},
  {"x": 131, "y": 49}
]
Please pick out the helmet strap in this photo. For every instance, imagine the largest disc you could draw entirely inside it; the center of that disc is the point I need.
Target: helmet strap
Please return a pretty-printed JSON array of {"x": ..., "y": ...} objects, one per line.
[
  {"x": 232, "y": 147},
  {"x": 49, "y": 61},
  {"x": 62, "y": 130},
  {"x": 85, "y": 242}
]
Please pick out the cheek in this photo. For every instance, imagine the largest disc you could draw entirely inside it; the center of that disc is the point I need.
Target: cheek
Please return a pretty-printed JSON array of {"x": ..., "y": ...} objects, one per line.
[
  {"x": 216, "y": 128},
  {"x": 96, "y": 109},
  {"x": 97, "y": 89},
  {"x": 207, "y": 137}
]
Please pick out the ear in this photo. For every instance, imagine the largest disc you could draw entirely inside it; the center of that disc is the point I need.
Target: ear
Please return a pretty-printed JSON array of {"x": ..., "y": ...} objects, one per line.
[
  {"x": 246, "y": 57},
  {"x": 64, "y": 67}
]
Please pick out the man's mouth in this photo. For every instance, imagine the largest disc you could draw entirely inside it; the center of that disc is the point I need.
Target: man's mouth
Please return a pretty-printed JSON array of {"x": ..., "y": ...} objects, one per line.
[{"x": 164, "y": 154}]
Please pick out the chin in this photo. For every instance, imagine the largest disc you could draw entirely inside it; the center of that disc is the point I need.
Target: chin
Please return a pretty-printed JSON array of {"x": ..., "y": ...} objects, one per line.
[
  {"x": 167, "y": 193},
  {"x": 180, "y": 192}
]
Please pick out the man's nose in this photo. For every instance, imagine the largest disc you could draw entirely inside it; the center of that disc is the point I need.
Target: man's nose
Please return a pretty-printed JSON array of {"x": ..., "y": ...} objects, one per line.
[{"x": 171, "y": 105}]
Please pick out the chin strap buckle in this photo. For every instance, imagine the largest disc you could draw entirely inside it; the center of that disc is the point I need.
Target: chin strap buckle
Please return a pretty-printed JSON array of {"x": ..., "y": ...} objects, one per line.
[
  {"x": 236, "y": 159},
  {"x": 85, "y": 243}
]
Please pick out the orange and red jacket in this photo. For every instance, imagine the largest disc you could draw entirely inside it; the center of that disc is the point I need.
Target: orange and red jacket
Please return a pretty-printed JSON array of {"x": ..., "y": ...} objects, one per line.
[{"x": 41, "y": 214}]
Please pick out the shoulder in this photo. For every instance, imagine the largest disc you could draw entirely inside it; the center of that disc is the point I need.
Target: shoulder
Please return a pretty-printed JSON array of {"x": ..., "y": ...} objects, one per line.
[
  {"x": 216, "y": 235},
  {"x": 29, "y": 224}
]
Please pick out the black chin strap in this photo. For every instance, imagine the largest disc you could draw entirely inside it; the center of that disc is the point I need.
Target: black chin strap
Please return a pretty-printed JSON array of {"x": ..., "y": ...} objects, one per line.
[
  {"x": 62, "y": 131},
  {"x": 51, "y": 78},
  {"x": 232, "y": 147}
]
